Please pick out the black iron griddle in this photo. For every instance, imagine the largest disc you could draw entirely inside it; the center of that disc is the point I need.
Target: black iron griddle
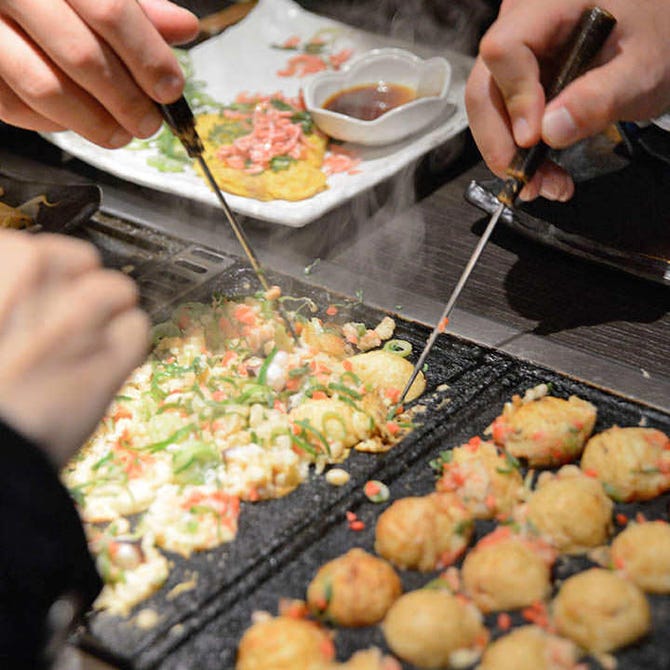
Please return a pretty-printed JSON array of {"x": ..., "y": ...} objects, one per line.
[
  {"x": 281, "y": 543},
  {"x": 62, "y": 206}
]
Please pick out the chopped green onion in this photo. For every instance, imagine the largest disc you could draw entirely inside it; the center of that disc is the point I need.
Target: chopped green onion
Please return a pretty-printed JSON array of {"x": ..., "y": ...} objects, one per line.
[
  {"x": 190, "y": 464},
  {"x": 512, "y": 464},
  {"x": 310, "y": 268},
  {"x": 348, "y": 374},
  {"x": 177, "y": 436},
  {"x": 263, "y": 371},
  {"x": 611, "y": 492},
  {"x": 443, "y": 458},
  {"x": 437, "y": 584},
  {"x": 463, "y": 527},
  {"x": 341, "y": 388},
  {"x": 308, "y": 427},
  {"x": 279, "y": 163},
  {"x": 303, "y": 445},
  {"x": 105, "y": 459},
  {"x": 399, "y": 347}
]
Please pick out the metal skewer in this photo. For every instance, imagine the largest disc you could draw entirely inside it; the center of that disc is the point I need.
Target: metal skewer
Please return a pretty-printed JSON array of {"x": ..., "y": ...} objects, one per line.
[
  {"x": 180, "y": 119},
  {"x": 454, "y": 296},
  {"x": 594, "y": 27}
]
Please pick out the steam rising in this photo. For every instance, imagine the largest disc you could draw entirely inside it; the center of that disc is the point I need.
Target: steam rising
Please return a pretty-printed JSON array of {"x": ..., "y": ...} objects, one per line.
[
  {"x": 373, "y": 229},
  {"x": 378, "y": 228},
  {"x": 452, "y": 24}
]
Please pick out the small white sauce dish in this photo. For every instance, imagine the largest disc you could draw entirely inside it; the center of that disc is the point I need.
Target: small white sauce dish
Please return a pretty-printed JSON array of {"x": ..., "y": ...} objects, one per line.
[{"x": 430, "y": 78}]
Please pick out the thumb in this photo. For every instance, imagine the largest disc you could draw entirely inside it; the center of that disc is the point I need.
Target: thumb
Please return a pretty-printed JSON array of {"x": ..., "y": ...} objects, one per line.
[{"x": 591, "y": 103}]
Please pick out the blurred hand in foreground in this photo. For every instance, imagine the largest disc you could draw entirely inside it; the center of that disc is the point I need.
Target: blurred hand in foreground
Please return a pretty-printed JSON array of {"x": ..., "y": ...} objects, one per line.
[
  {"x": 70, "y": 333},
  {"x": 505, "y": 100},
  {"x": 91, "y": 66}
]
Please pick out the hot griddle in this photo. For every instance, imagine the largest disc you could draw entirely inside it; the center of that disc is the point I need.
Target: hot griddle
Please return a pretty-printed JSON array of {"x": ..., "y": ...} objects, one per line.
[{"x": 281, "y": 543}]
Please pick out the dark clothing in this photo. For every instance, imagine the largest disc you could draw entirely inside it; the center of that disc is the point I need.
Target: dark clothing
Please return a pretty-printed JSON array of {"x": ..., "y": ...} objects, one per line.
[{"x": 47, "y": 576}]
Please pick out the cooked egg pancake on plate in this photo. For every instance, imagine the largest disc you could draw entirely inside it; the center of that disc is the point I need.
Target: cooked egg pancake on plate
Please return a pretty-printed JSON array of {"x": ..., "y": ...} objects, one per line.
[
  {"x": 227, "y": 408},
  {"x": 264, "y": 147}
]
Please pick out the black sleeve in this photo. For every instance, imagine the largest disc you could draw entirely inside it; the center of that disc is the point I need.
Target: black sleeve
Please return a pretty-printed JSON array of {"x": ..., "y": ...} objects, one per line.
[{"x": 47, "y": 576}]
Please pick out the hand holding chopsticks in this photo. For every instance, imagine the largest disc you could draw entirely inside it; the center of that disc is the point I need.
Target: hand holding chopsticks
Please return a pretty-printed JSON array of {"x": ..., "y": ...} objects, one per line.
[
  {"x": 92, "y": 67},
  {"x": 506, "y": 101}
]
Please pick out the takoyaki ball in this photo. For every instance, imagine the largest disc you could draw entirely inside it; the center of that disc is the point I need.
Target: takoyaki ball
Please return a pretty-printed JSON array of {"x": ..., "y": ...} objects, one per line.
[
  {"x": 632, "y": 463},
  {"x": 530, "y": 648},
  {"x": 368, "y": 659},
  {"x": 423, "y": 533},
  {"x": 430, "y": 628},
  {"x": 487, "y": 482},
  {"x": 641, "y": 552},
  {"x": 355, "y": 589},
  {"x": 386, "y": 371},
  {"x": 505, "y": 571},
  {"x": 291, "y": 644},
  {"x": 545, "y": 432},
  {"x": 601, "y": 611},
  {"x": 571, "y": 510}
]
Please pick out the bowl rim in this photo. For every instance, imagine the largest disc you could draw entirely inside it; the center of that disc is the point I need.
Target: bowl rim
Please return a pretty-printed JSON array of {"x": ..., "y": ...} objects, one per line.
[{"x": 367, "y": 56}]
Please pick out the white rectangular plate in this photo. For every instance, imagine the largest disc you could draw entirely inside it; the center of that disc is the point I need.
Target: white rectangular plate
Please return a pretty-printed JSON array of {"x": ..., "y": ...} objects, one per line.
[{"x": 242, "y": 59}]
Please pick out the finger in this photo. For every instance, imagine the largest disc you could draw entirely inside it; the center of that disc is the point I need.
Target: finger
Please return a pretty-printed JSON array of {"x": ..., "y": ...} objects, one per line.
[
  {"x": 15, "y": 112},
  {"x": 19, "y": 268},
  {"x": 550, "y": 182},
  {"x": 35, "y": 271},
  {"x": 488, "y": 119},
  {"x": 80, "y": 311},
  {"x": 88, "y": 61},
  {"x": 128, "y": 340},
  {"x": 506, "y": 5},
  {"x": 121, "y": 348},
  {"x": 81, "y": 388},
  {"x": 126, "y": 28},
  {"x": 66, "y": 257},
  {"x": 616, "y": 91},
  {"x": 513, "y": 49},
  {"x": 490, "y": 129},
  {"x": 175, "y": 24},
  {"x": 50, "y": 93}
]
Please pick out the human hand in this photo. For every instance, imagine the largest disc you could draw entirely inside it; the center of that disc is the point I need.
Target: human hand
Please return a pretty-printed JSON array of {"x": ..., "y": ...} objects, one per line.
[
  {"x": 70, "y": 334},
  {"x": 92, "y": 66},
  {"x": 630, "y": 81}
]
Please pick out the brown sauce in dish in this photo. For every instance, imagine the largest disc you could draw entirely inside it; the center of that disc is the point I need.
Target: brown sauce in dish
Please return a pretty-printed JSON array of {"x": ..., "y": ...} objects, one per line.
[{"x": 369, "y": 101}]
